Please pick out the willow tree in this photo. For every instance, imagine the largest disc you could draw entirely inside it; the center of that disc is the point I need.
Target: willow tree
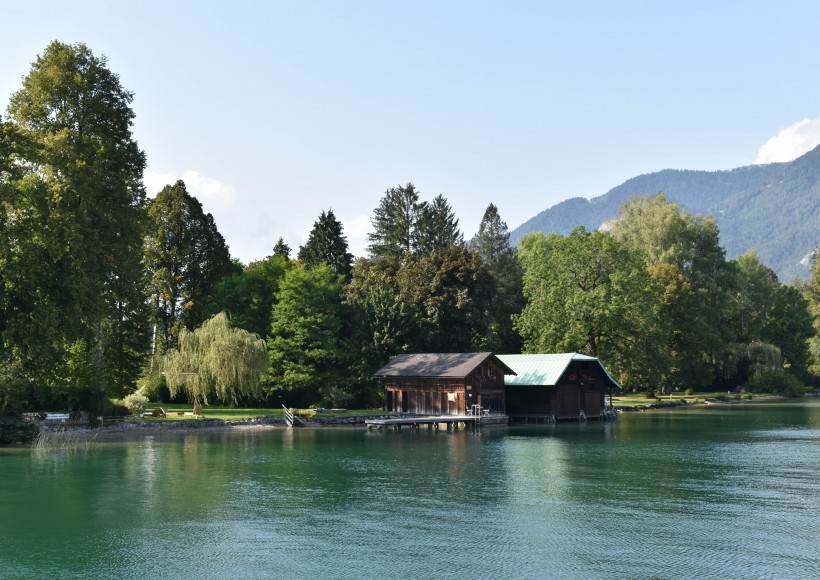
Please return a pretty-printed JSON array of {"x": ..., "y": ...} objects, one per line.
[{"x": 218, "y": 361}]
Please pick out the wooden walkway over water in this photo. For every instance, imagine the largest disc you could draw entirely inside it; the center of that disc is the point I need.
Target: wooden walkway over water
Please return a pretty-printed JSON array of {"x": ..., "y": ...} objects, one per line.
[{"x": 449, "y": 422}]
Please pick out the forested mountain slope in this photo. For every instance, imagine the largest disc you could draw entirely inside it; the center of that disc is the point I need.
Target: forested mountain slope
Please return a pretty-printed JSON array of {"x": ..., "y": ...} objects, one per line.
[{"x": 773, "y": 208}]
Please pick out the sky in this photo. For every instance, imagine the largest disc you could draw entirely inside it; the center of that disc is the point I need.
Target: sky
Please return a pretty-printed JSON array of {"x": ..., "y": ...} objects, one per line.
[{"x": 272, "y": 112}]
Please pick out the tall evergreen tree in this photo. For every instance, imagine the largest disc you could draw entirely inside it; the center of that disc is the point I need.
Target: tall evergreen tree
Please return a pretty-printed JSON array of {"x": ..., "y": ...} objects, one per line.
[
  {"x": 281, "y": 248},
  {"x": 186, "y": 256},
  {"x": 80, "y": 208},
  {"x": 394, "y": 223},
  {"x": 327, "y": 244},
  {"x": 436, "y": 227},
  {"x": 492, "y": 245}
]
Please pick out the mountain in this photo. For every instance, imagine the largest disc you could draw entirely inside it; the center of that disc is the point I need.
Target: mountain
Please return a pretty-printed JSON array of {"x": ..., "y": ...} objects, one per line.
[{"x": 774, "y": 209}]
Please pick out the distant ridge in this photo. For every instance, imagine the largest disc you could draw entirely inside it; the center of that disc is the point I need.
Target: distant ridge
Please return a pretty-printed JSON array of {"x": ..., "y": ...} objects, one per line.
[{"x": 772, "y": 208}]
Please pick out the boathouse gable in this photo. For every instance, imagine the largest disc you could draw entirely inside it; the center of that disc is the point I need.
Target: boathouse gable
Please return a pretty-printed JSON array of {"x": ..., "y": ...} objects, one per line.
[{"x": 444, "y": 383}]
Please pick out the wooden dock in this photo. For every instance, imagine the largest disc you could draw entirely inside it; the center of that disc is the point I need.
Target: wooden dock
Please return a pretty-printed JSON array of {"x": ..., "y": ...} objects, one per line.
[{"x": 448, "y": 422}]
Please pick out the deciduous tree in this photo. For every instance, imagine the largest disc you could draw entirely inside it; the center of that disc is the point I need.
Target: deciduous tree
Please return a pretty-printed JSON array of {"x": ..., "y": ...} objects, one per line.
[
  {"x": 588, "y": 293},
  {"x": 247, "y": 297},
  {"x": 305, "y": 337},
  {"x": 447, "y": 291},
  {"x": 78, "y": 218},
  {"x": 685, "y": 251}
]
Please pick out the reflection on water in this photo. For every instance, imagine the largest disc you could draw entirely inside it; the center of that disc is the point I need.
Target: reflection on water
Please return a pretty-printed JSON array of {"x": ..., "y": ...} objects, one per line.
[{"x": 707, "y": 492}]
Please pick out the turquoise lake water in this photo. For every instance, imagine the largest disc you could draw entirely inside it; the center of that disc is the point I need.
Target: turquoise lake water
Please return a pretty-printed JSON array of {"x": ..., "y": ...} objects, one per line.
[{"x": 707, "y": 492}]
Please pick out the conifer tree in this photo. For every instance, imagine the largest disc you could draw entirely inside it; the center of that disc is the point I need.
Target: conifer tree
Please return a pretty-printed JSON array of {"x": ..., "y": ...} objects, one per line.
[
  {"x": 327, "y": 244},
  {"x": 436, "y": 227},
  {"x": 281, "y": 248},
  {"x": 186, "y": 256},
  {"x": 492, "y": 245},
  {"x": 394, "y": 223}
]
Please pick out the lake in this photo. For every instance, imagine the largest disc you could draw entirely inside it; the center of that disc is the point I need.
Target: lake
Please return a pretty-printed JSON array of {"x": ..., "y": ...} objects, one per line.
[{"x": 707, "y": 492}]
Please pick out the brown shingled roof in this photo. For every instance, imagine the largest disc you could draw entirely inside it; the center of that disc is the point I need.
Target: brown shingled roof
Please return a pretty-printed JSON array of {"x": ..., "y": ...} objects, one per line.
[{"x": 444, "y": 365}]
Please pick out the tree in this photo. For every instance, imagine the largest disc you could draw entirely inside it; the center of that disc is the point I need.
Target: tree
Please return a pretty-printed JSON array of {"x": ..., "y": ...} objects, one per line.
[
  {"x": 247, "y": 297},
  {"x": 216, "y": 361},
  {"x": 447, "y": 291},
  {"x": 281, "y": 248},
  {"x": 186, "y": 257},
  {"x": 588, "y": 293},
  {"x": 754, "y": 291},
  {"x": 327, "y": 244},
  {"x": 381, "y": 324},
  {"x": 394, "y": 223},
  {"x": 684, "y": 257},
  {"x": 436, "y": 227},
  {"x": 789, "y": 326},
  {"x": 811, "y": 292},
  {"x": 305, "y": 336},
  {"x": 78, "y": 216},
  {"x": 492, "y": 245}
]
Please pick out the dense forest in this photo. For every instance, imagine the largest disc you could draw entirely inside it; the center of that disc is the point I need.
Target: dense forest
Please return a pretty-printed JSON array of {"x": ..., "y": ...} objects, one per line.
[
  {"x": 773, "y": 209},
  {"x": 107, "y": 293}
]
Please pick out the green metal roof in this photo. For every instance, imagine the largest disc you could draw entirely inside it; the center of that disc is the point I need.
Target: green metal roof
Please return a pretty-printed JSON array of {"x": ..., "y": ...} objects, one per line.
[{"x": 544, "y": 369}]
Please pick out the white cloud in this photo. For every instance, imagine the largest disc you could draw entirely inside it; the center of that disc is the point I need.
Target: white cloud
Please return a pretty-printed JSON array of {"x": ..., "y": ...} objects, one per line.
[
  {"x": 154, "y": 182},
  {"x": 791, "y": 142},
  {"x": 214, "y": 194}
]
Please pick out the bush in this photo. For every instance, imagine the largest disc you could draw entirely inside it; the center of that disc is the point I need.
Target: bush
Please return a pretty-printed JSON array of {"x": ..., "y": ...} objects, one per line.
[
  {"x": 13, "y": 389},
  {"x": 15, "y": 430},
  {"x": 153, "y": 386},
  {"x": 135, "y": 403},
  {"x": 335, "y": 397},
  {"x": 775, "y": 381},
  {"x": 118, "y": 409},
  {"x": 689, "y": 392}
]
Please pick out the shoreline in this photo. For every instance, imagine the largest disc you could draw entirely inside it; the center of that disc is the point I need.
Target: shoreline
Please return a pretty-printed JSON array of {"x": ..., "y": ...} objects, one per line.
[
  {"x": 666, "y": 404},
  {"x": 129, "y": 430}
]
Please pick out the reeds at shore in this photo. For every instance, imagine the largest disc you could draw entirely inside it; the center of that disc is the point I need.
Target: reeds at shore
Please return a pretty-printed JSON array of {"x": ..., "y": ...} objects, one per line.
[{"x": 71, "y": 441}]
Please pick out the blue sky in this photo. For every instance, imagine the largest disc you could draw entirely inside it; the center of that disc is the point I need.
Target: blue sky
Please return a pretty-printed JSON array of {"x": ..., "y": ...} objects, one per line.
[{"x": 275, "y": 111}]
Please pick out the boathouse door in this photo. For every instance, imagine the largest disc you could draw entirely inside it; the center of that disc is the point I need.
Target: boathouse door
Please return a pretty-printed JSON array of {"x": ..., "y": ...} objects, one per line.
[
  {"x": 568, "y": 403},
  {"x": 592, "y": 403}
]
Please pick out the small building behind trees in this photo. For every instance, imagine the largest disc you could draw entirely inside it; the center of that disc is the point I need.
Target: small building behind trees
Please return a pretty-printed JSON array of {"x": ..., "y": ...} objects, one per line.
[
  {"x": 559, "y": 386},
  {"x": 442, "y": 384}
]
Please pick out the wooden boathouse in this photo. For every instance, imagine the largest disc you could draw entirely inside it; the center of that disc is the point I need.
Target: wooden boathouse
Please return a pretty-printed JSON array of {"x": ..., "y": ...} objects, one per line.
[
  {"x": 445, "y": 384},
  {"x": 556, "y": 387}
]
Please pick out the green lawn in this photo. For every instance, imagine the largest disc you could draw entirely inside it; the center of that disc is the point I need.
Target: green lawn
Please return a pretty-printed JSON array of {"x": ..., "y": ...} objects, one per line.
[
  {"x": 230, "y": 413},
  {"x": 639, "y": 399}
]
